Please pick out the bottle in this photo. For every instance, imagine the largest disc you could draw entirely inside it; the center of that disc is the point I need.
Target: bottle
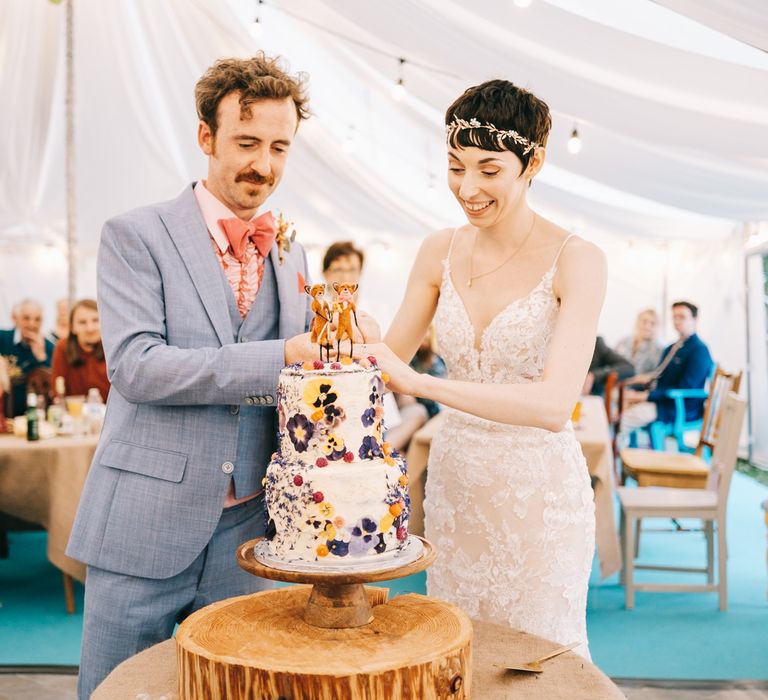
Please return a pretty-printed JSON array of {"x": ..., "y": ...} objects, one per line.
[
  {"x": 33, "y": 424},
  {"x": 93, "y": 411},
  {"x": 56, "y": 410}
]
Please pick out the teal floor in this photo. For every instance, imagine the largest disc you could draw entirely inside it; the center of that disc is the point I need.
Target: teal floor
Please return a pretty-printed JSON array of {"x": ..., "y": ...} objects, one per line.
[{"x": 667, "y": 635}]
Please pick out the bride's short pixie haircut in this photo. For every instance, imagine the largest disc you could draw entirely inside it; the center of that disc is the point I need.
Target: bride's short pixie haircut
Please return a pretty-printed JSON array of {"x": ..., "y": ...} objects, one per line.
[{"x": 505, "y": 106}]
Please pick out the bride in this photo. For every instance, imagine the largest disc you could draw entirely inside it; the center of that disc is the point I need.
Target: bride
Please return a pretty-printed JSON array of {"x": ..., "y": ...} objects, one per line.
[{"x": 516, "y": 301}]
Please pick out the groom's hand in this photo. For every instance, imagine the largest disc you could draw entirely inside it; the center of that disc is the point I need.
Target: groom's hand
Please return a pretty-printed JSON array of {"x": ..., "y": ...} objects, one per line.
[
  {"x": 300, "y": 349},
  {"x": 367, "y": 330}
]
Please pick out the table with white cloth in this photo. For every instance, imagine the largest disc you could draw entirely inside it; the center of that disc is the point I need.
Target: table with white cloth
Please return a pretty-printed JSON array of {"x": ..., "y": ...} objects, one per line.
[
  {"x": 40, "y": 482},
  {"x": 593, "y": 435}
]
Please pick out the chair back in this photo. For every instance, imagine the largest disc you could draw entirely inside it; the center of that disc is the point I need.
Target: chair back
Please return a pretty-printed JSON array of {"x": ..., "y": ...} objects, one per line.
[
  {"x": 721, "y": 385},
  {"x": 727, "y": 447}
]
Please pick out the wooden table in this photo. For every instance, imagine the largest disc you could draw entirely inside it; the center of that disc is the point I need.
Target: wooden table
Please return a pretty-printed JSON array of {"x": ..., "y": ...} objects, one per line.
[
  {"x": 41, "y": 482},
  {"x": 566, "y": 677},
  {"x": 594, "y": 437}
]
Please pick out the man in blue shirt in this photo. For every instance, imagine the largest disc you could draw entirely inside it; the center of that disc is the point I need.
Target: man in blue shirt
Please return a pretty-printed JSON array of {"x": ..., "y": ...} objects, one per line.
[
  {"x": 685, "y": 364},
  {"x": 25, "y": 349}
]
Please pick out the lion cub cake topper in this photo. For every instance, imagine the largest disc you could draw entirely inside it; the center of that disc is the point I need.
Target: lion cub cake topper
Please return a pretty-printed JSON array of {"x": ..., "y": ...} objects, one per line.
[
  {"x": 320, "y": 331},
  {"x": 345, "y": 307}
]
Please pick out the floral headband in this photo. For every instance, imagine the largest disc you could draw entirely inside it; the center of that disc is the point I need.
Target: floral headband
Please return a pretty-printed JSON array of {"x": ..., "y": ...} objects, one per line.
[{"x": 461, "y": 124}]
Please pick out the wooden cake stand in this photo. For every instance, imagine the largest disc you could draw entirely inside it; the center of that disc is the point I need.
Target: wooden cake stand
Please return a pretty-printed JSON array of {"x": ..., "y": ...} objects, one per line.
[{"x": 335, "y": 639}]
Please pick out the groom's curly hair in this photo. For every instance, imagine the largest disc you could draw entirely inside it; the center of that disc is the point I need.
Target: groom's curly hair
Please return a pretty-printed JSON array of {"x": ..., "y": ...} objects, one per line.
[
  {"x": 506, "y": 106},
  {"x": 256, "y": 78}
]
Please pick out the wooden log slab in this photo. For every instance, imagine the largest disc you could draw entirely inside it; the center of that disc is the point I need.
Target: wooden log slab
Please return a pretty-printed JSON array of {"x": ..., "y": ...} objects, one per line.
[{"x": 260, "y": 646}]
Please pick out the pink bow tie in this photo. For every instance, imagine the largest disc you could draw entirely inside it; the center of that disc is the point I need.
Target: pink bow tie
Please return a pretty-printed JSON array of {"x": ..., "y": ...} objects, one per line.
[{"x": 261, "y": 231}]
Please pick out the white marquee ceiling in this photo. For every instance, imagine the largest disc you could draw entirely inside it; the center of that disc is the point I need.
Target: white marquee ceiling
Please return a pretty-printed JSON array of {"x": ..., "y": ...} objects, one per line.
[{"x": 674, "y": 132}]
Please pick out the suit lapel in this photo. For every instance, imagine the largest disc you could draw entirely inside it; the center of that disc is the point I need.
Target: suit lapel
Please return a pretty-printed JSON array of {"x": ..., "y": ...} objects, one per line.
[
  {"x": 291, "y": 311},
  {"x": 187, "y": 228}
]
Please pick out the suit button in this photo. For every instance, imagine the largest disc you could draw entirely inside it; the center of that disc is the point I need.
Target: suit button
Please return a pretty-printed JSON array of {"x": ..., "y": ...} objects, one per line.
[
  {"x": 234, "y": 410},
  {"x": 243, "y": 340},
  {"x": 269, "y": 399},
  {"x": 262, "y": 400},
  {"x": 227, "y": 467},
  {"x": 249, "y": 400}
]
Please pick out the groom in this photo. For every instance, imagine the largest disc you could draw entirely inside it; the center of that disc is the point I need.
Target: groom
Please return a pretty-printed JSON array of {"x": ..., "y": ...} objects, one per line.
[{"x": 196, "y": 301}]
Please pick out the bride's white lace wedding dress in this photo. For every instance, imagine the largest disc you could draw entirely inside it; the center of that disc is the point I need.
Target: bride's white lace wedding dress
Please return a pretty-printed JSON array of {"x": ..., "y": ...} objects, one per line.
[{"x": 510, "y": 508}]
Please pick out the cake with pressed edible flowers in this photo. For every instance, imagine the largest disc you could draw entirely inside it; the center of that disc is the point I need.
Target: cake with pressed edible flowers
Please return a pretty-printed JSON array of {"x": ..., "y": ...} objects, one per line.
[{"x": 336, "y": 493}]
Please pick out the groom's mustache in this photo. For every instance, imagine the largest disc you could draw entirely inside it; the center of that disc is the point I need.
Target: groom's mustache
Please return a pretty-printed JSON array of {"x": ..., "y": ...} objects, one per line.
[{"x": 256, "y": 179}]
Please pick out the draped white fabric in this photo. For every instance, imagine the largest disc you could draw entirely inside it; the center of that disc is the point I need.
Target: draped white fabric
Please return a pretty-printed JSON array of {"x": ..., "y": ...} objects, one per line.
[
  {"x": 674, "y": 140},
  {"x": 745, "y": 20}
]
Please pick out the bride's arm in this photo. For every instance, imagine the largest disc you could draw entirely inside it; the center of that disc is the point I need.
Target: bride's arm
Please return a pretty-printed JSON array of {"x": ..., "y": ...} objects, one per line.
[
  {"x": 580, "y": 285},
  {"x": 418, "y": 306}
]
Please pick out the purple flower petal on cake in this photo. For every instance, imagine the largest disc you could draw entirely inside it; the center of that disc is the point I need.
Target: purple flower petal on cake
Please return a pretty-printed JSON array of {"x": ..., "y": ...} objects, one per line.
[
  {"x": 368, "y": 417},
  {"x": 358, "y": 546},
  {"x": 300, "y": 431},
  {"x": 339, "y": 548},
  {"x": 370, "y": 448}
]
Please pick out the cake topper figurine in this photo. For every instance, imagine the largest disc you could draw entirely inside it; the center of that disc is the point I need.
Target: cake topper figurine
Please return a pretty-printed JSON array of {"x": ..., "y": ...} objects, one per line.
[
  {"x": 320, "y": 331},
  {"x": 345, "y": 306}
]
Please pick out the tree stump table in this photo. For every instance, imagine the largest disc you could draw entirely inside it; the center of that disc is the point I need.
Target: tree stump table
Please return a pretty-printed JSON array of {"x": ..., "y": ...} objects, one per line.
[{"x": 337, "y": 639}]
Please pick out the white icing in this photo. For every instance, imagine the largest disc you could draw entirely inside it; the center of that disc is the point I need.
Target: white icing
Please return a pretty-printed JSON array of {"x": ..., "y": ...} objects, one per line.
[
  {"x": 354, "y": 509},
  {"x": 338, "y": 419},
  {"x": 335, "y": 494}
]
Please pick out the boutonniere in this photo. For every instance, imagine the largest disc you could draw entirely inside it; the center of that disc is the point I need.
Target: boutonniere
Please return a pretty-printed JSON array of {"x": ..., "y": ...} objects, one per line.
[{"x": 285, "y": 235}]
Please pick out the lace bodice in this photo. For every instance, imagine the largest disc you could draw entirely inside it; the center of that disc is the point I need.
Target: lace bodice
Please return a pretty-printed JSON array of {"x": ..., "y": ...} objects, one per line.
[
  {"x": 509, "y": 507},
  {"x": 513, "y": 346}
]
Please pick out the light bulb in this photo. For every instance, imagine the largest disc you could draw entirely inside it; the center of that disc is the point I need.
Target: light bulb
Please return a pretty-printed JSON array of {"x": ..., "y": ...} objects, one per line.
[
  {"x": 523, "y": 3},
  {"x": 398, "y": 91},
  {"x": 574, "y": 143}
]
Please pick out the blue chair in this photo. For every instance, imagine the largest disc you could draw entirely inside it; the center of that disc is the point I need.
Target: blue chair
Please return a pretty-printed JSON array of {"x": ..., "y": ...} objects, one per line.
[{"x": 659, "y": 431}]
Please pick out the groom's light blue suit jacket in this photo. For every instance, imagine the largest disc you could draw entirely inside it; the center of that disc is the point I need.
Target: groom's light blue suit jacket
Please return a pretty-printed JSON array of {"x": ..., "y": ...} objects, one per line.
[{"x": 192, "y": 403}]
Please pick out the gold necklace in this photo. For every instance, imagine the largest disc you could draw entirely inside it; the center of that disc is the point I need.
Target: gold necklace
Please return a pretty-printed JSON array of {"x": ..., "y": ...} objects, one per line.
[{"x": 472, "y": 277}]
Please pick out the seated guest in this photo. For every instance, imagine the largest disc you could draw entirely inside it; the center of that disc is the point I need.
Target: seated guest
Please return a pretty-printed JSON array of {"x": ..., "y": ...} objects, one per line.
[
  {"x": 605, "y": 361},
  {"x": 79, "y": 358},
  {"x": 342, "y": 263},
  {"x": 25, "y": 350},
  {"x": 427, "y": 361},
  {"x": 643, "y": 349},
  {"x": 61, "y": 329},
  {"x": 685, "y": 364}
]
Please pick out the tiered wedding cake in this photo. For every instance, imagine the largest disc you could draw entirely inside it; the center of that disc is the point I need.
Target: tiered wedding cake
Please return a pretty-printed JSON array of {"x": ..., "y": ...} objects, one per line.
[{"x": 336, "y": 493}]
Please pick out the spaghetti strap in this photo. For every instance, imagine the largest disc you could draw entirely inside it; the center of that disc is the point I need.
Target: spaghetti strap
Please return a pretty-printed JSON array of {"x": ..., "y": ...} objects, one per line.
[
  {"x": 450, "y": 247},
  {"x": 557, "y": 257}
]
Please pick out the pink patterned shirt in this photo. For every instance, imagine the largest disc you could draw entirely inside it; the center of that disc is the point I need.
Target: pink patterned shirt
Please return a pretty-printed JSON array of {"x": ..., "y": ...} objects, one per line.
[{"x": 244, "y": 279}]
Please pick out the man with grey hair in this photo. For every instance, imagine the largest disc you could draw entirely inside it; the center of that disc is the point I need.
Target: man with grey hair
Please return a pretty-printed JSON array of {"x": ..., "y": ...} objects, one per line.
[{"x": 25, "y": 349}]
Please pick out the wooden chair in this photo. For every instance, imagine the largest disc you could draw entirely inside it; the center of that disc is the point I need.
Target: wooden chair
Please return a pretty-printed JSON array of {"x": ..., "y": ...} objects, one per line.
[
  {"x": 682, "y": 470},
  {"x": 613, "y": 414},
  {"x": 709, "y": 505}
]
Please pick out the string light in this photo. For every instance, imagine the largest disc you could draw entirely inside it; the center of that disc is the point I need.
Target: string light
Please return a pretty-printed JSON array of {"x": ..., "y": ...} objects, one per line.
[
  {"x": 256, "y": 27},
  {"x": 398, "y": 89},
  {"x": 523, "y": 3},
  {"x": 574, "y": 143}
]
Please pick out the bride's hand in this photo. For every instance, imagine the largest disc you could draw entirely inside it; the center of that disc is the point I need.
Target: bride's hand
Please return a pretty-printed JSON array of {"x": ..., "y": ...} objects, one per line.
[{"x": 399, "y": 377}]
